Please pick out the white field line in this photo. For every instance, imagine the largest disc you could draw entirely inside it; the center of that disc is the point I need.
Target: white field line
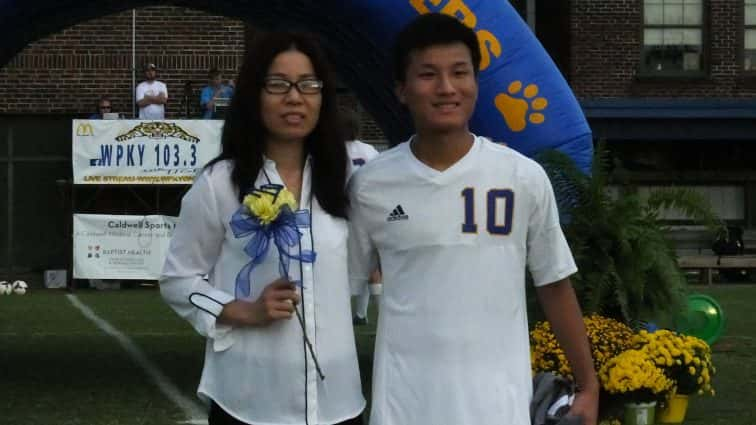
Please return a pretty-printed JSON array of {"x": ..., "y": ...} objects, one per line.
[{"x": 192, "y": 409}]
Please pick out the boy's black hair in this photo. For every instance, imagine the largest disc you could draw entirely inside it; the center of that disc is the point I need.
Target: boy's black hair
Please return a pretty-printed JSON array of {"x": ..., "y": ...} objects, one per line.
[{"x": 432, "y": 29}]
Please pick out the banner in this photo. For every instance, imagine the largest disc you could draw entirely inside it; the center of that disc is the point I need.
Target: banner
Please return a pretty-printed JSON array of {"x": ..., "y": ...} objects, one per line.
[
  {"x": 142, "y": 152},
  {"x": 120, "y": 246}
]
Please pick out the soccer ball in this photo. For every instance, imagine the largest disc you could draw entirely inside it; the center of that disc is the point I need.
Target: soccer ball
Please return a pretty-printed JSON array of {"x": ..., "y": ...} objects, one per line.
[
  {"x": 5, "y": 288},
  {"x": 19, "y": 287}
]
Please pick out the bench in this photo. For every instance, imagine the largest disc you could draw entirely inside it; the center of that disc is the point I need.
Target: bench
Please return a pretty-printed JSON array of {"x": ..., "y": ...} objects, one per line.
[{"x": 706, "y": 263}]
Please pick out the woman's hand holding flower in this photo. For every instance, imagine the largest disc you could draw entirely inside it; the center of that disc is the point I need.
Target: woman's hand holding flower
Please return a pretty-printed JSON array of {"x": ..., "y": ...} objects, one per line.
[{"x": 276, "y": 302}]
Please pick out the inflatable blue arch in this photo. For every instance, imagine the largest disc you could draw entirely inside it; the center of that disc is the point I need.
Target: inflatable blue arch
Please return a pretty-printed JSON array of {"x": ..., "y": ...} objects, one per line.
[{"x": 524, "y": 101}]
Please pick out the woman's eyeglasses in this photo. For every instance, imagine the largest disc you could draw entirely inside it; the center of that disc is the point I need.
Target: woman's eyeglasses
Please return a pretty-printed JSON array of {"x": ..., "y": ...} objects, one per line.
[{"x": 277, "y": 85}]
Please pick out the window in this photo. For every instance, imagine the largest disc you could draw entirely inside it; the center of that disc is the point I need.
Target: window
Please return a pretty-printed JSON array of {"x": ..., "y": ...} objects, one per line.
[
  {"x": 749, "y": 36},
  {"x": 673, "y": 37}
]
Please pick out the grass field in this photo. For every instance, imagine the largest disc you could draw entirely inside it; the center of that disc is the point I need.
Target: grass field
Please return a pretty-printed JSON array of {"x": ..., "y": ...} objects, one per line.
[{"x": 58, "y": 368}]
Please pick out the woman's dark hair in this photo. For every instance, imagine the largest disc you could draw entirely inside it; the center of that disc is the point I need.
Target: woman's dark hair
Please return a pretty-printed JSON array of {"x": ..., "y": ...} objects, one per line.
[
  {"x": 432, "y": 29},
  {"x": 244, "y": 135}
]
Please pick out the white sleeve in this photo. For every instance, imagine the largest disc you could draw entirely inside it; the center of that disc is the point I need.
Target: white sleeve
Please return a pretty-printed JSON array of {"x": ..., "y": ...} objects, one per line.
[
  {"x": 549, "y": 256},
  {"x": 357, "y": 151},
  {"x": 370, "y": 151},
  {"x": 140, "y": 92},
  {"x": 165, "y": 90},
  {"x": 192, "y": 254},
  {"x": 363, "y": 257}
]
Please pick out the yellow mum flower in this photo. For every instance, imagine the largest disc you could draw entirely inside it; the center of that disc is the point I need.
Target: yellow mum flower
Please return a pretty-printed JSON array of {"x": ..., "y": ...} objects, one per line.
[
  {"x": 266, "y": 206},
  {"x": 260, "y": 205},
  {"x": 286, "y": 198},
  {"x": 683, "y": 358},
  {"x": 633, "y": 371}
]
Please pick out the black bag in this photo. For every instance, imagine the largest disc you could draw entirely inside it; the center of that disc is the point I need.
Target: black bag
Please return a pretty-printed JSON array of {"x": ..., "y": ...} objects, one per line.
[{"x": 729, "y": 242}]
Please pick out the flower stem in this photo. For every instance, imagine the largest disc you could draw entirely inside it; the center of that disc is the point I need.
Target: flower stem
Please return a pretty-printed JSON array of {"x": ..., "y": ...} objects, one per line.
[{"x": 309, "y": 344}]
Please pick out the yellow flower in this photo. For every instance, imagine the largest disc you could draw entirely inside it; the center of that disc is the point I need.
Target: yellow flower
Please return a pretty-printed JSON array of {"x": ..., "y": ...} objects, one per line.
[
  {"x": 260, "y": 205},
  {"x": 266, "y": 206},
  {"x": 633, "y": 371},
  {"x": 286, "y": 198},
  {"x": 684, "y": 359},
  {"x": 606, "y": 336}
]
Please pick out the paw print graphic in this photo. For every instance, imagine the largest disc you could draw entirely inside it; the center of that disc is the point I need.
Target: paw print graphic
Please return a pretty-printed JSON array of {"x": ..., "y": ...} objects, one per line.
[{"x": 520, "y": 107}]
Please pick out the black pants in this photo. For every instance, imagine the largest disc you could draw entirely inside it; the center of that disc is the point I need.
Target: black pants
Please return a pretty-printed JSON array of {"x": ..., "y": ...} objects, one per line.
[{"x": 219, "y": 416}]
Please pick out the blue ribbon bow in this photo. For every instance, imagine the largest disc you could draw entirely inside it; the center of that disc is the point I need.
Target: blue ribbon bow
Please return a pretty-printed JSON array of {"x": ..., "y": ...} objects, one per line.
[{"x": 283, "y": 231}]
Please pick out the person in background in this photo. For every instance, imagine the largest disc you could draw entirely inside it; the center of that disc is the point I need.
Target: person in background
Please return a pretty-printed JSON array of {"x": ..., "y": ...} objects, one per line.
[
  {"x": 104, "y": 106},
  {"x": 214, "y": 90},
  {"x": 282, "y": 131},
  {"x": 151, "y": 95},
  {"x": 360, "y": 153}
]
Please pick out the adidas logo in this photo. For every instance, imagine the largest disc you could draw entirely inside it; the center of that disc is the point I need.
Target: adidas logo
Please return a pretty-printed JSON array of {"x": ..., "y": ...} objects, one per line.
[{"x": 397, "y": 214}]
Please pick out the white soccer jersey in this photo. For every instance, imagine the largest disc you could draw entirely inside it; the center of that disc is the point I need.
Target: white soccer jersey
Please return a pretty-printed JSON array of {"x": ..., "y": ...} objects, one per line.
[{"x": 452, "y": 345}]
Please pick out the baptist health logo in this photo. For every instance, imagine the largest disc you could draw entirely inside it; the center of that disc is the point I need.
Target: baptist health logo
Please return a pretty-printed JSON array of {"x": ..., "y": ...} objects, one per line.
[
  {"x": 84, "y": 129},
  {"x": 93, "y": 251}
]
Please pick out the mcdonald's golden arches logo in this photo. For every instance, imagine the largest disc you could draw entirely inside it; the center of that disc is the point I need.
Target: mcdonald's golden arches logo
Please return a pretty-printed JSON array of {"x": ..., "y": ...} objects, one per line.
[{"x": 84, "y": 129}]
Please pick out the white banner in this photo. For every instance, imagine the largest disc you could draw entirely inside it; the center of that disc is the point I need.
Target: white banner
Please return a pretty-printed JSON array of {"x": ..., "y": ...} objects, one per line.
[
  {"x": 142, "y": 152},
  {"x": 120, "y": 246}
]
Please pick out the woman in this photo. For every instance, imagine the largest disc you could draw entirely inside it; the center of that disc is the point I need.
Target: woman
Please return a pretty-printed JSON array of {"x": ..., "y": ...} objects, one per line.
[{"x": 281, "y": 130}]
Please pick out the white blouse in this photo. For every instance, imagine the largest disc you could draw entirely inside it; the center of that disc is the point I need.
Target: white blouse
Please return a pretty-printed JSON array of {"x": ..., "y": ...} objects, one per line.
[{"x": 265, "y": 375}]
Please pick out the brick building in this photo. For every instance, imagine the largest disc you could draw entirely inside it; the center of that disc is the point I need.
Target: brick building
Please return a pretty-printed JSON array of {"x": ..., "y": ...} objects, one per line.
[
  {"x": 670, "y": 86},
  {"x": 65, "y": 73}
]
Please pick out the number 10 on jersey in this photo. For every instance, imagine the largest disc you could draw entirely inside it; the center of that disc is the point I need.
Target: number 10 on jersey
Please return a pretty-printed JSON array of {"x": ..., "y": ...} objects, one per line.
[{"x": 497, "y": 223}]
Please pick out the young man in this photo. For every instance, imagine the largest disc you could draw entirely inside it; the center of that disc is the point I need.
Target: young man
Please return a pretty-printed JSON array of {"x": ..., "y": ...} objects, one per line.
[
  {"x": 151, "y": 95},
  {"x": 214, "y": 90},
  {"x": 456, "y": 220}
]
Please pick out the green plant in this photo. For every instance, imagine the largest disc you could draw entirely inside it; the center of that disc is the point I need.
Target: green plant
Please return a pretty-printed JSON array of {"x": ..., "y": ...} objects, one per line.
[{"x": 627, "y": 266}]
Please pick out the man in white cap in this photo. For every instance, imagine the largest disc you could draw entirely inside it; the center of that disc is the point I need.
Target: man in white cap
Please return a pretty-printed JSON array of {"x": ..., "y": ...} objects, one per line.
[{"x": 151, "y": 95}]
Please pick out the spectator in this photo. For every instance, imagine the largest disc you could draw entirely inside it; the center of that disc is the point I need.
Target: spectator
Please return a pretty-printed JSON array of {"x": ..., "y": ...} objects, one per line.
[
  {"x": 104, "y": 106},
  {"x": 151, "y": 95},
  {"x": 360, "y": 153},
  {"x": 214, "y": 91}
]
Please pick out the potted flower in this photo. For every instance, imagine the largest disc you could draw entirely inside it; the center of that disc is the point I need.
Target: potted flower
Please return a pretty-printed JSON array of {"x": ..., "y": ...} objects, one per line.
[
  {"x": 607, "y": 337},
  {"x": 634, "y": 378},
  {"x": 686, "y": 360}
]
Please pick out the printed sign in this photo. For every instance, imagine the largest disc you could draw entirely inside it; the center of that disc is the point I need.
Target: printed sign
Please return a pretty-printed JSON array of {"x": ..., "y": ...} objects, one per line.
[
  {"x": 142, "y": 152},
  {"x": 121, "y": 246}
]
